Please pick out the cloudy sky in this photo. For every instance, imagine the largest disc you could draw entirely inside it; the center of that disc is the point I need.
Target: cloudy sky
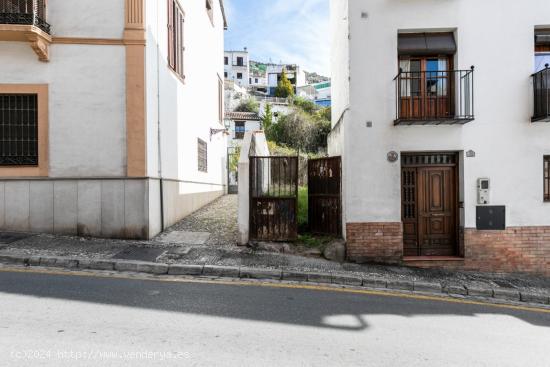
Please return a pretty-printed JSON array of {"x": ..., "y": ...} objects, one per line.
[{"x": 291, "y": 31}]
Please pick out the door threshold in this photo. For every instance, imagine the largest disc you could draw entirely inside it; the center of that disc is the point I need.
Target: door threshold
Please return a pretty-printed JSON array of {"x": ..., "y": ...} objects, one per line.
[{"x": 432, "y": 258}]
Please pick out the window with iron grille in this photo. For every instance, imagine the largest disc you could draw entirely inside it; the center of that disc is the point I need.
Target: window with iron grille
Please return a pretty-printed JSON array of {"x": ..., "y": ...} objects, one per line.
[
  {"x": 202, "y": 156},
  {"x": 18, "y": 130},
  {"x": 239, "y": 129},
  {"x": 176, "y": 46},
  {"x": 547, "y": 178}
]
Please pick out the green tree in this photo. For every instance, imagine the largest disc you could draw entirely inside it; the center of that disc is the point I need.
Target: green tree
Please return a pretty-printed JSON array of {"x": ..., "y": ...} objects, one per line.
[
  {"x": 284, "y": 87},
  {"x": 248, "y": 105},
  {"x": 325, "y": 113},
  {"x": 234, "y": 160},
  {"x": 305, "y": 104},
  {"x": 267, "y": 117}
]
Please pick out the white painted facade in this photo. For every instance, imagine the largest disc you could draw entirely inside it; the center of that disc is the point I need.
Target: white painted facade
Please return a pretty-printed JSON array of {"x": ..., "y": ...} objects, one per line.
[
  {"x": 294, "y": 73},
  {"x": 87, "y": 190},
  {"x": 498, "y": 40},
  {"x": 236, "y": 138},
  {"x": 187, "y": 112},
  {"x": 237, "y": 67},
  {"x": 258, "y": 80}
]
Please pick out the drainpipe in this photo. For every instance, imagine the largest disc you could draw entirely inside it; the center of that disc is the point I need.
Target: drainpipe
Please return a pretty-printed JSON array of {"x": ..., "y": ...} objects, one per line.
[{"x": 159, "y": 140}]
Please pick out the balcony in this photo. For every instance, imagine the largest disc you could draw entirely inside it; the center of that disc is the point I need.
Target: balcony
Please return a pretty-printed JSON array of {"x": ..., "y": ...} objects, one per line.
[
  {"x": 541, "y": 88},
  {"x": 444, "y": 97},
  {"x": 25, "y": 21}
]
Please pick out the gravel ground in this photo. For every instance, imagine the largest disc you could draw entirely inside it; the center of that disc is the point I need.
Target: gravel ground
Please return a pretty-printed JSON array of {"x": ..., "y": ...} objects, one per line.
[{"x": 218, "y": 218}]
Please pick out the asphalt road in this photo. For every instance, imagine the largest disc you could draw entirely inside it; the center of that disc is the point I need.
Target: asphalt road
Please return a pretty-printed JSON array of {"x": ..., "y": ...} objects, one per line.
[{"x": 69, "y": 320}]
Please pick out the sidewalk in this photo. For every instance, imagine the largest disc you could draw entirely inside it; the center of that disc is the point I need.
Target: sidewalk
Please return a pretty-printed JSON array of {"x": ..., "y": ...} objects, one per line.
[
  {"x": 205, "y": 244},
  {"x": 174, "y": 253}
]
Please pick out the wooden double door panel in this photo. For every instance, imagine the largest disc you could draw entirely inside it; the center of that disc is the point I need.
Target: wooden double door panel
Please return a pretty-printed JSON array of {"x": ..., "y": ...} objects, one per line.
[{"x": 430, "y": 210}]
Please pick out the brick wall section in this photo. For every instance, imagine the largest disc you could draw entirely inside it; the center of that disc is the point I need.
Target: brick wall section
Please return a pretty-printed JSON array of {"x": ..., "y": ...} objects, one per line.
[
  {"x": 375, "y": 242},
  {"x": 517, "y": 249}
]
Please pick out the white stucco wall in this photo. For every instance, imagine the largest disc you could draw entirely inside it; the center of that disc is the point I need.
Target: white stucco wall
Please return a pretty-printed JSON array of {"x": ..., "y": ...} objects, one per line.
[
  {"x": 498, "y": 40},
  {"x": 339, "y": 30},
  {"x": 87, "y": 18},
  {"x": 87, "y": 122},
  {"x": 248, "y": 126},
  {"x": 187, "y": 110}
]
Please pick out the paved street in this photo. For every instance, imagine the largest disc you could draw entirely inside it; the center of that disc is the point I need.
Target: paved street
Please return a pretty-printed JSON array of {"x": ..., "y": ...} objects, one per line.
[{"x": 67, "y": 320}]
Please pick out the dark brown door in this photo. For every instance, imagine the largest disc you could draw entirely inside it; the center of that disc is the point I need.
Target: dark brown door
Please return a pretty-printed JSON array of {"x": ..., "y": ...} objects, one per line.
[
  {"x": 437, "y": 211},
  {"x": 430, "y": 204}
]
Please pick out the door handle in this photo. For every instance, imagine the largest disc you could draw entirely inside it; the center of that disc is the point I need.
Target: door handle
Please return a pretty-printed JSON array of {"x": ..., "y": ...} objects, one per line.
[{"x": 438, "y": 215}]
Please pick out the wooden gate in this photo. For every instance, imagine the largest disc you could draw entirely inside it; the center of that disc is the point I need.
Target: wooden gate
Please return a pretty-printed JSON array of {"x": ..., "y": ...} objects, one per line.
[
  {"x": 273, "y": 198},
  {"x": 325, "y": 195}
]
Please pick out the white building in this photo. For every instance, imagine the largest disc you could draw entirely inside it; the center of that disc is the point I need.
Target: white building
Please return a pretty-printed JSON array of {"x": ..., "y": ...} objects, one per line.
[
  {"x": 419, "y": 130},
  {"x": 320, "y": 93},
  {"x": 237, "y": 67},
  {"x": 121, "y": 132},
  {"x": 238, "y": 123},
  {"x": 294, "y": 73},
  {"x": 258, "y": 82}
]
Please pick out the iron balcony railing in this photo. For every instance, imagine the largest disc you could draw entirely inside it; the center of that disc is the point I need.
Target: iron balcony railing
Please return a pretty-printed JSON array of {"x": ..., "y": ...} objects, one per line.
[
  {"x": 24, "y": 12},
  {"x": 434, "y": 97},
  {"x": 541, "y": 88}
]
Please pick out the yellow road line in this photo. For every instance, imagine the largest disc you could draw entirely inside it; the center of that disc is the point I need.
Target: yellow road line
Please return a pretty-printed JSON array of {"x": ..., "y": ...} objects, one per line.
[{"x": 240, "y": 282}]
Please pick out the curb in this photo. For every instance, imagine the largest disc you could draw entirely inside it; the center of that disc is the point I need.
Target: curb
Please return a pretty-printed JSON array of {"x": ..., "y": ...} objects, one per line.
[{"x": 500, "y": 294}]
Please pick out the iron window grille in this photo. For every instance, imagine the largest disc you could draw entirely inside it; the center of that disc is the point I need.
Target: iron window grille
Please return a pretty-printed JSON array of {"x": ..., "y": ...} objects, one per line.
[
  {"x": 24, "y": 12},
  {"x": 202, "y": 156},
  {"x": 18, "y": 130},
  {"x": 541, "y": 89},
  {"x": 547, "y": 178}
]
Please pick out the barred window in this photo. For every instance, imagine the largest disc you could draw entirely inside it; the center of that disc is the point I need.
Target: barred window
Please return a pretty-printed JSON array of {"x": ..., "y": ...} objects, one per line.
[
  {"x": 202, "y": 156},
  {"x": 547, "y": 178},
  {"x": 18, "y": 130}
]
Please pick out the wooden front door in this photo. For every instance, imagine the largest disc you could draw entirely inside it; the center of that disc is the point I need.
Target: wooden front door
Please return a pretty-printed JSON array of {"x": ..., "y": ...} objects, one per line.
[{"x": 430, "y": 205}]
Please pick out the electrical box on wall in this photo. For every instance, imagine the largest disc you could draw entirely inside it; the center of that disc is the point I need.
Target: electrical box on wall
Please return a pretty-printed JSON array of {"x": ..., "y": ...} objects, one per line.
[
  {"x": 491, "y": 218},
  {"x": 483, "y": 187}
]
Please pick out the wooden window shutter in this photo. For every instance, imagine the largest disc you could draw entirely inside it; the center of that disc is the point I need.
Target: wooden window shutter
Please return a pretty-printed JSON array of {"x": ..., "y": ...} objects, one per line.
[
  {"x": 180, "y": 43},
  {"x": 171, "y": 35}
]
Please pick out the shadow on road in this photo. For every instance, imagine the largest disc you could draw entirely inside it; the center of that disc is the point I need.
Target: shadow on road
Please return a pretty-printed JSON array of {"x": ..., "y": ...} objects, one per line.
[{"x": 344, "y": 311}]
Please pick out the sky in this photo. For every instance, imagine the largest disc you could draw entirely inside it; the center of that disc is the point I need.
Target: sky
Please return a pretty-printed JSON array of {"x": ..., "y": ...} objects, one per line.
[{"x": 291, "y": 31}]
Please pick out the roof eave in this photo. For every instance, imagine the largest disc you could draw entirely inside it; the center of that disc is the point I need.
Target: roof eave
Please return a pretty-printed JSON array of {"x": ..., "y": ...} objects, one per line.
[{"x": 224, "y": 16}]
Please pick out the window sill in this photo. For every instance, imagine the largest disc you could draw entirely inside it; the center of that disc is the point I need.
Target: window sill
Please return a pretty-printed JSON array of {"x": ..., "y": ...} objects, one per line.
[{"x": 181, "y": 78}]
